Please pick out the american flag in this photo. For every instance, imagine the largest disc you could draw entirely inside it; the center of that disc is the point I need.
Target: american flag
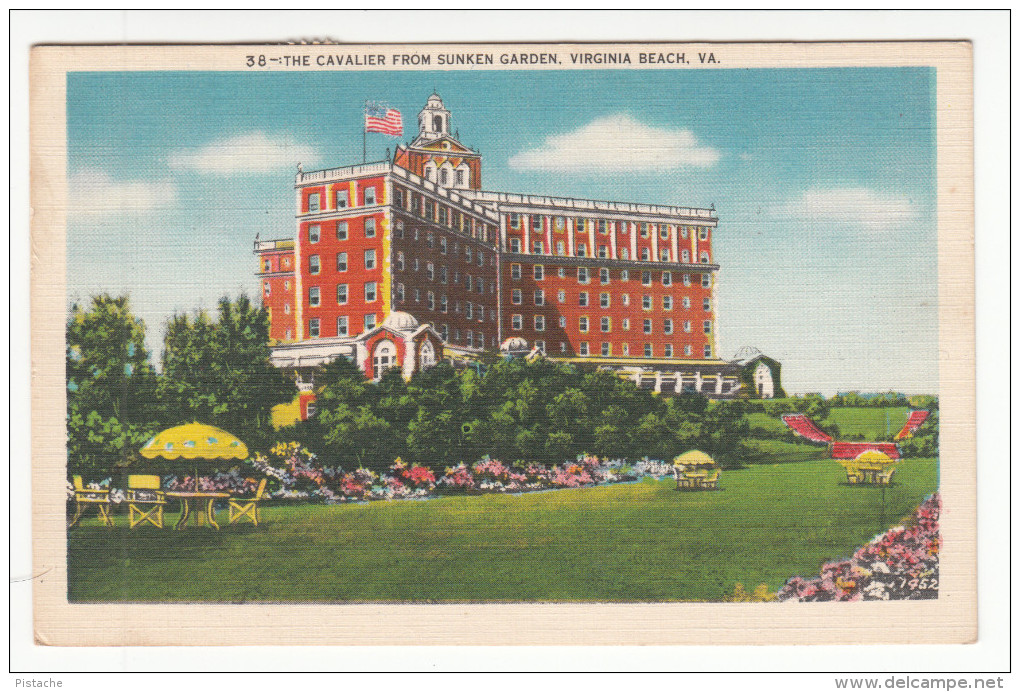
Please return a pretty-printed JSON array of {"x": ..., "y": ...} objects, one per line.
[{"x": 381, "y": 119}]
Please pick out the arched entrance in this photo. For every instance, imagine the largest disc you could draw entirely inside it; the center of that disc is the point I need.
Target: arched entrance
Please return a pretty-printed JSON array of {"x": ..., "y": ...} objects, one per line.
[
  {"x": 427, "y": 356},
  {"x": 384, "y": 357}
]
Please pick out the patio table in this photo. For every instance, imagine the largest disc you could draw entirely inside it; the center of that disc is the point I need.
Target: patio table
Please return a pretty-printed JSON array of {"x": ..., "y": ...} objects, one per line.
[{"x": 187, "y": 498}]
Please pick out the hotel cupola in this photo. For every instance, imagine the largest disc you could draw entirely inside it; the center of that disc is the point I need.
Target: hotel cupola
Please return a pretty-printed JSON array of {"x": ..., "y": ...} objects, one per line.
[{"x": 436, "y": 155}]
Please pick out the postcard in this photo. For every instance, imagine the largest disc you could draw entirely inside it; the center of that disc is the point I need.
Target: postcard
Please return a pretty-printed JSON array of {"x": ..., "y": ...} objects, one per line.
[{"x": 503, "y": 344}]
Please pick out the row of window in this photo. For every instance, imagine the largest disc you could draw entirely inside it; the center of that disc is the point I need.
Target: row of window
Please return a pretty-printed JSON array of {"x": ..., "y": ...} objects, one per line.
[
  {"x": 267, "y": 265},
  {"x": 342, "y": 199},
  {"x": 315, "y": 264},
  {"x": 606, "y": 324},
  {"x": 471, "y": 310},
  {"x": 605, "y": 252},
  {"x": 559, "y": 224},
  {"x": 370, "y": 289},
  {"x": 342, "y": 230},
  {"x": 425, "y": 207},
  {"x": 584, "y": 275},
  {"x": 605, "y": 300},
  {"x": 471, "y": 283},
  {"x": 342, "y": 325}
]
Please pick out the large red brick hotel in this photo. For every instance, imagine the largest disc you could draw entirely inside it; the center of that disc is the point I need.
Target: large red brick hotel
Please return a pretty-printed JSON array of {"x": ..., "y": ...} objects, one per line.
[{"x": 399, "y": 262}]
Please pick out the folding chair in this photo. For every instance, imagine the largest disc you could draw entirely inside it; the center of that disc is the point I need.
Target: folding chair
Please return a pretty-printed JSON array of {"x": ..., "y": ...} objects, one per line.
[
  {"x": 145, "y": 501},
  {"x": 85, "y": 498},
  {"x": 239, "y": 508}
]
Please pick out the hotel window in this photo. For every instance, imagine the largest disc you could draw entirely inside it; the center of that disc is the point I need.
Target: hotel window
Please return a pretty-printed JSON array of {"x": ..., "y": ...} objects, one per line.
[
  {"x": 456, "y": 277},
  {"x": 667, "y": 326},
  {"x": 648, "y": 326},
  {"x": 469, "y": 337},
  {"x": 539, "y": 272},
  {"x": 563, "y": 322},
  {"x": 515, "y": 296},
  {"x": 664, "y": 231},
  {"x": 369, "y": 321},
  {"x": 580, "y": 225},
  {"x": 467, "y": 282},
  {"x": 268, "y": 266},
  {"x": 582, "y": 349},
  {"x": 561, "y": 272},
  {"x": 607, "y": 350},
  {"x": 444, "y": 304},
  {"x": 604, "y": 300},
  {"x": 560, "y": 249},
  {"x": 625, "y": 299},
  {"x": 444, "y": 179},
  {"x": 430, "y": 299},
  {"x": 442, "y": 246},
  {"x": 648, "y": 350},
  {"x": 706, "y": 304},
  {"x": 626, "y": 349},
  {"x": 687, "y": 303},
  {"x": 582, "y": 275},
  {"x": 369, "y": 195},
  {"x": 707, "y": 325},
  {"x": 430, "y": 270},
  {"x": 536, "y": 222},
  {"x": 703, "y": 233},
  {"x": 559, "y": 223},
  {"x": 708, "y": 350},
  {"x": 540, "y": 345},
  {"x": 342, "y": 198},
  {"x": 369, "y": 259},
  {"x": 646, "y": 302},
  {"x": 313, "y": 296},
  {"x": 602, "y": 226},
  {"x": 341, "y": 294},
  {"x": 370, "y": 287},
  {"x": 683, "y": 234},
  {"x": 667, "y": 279},
  {"x": 469, "y": 310},
  {"x": 603, "y": 251},
  {"x": 430, "y": 240},
  {"x": 624, "y": 253},
  {"x": 286, "y": 308},
  {"x": 415, "y": 204},
  {"x": 314, "y": 201},
  {"x": 516, "y": 321},
  {"x": 341, "y": 326},
  {"x": 606, "y": 324},
  {"x": 603, "y": 276},
  {"x": 582, "y": 324},
  {"x": 481, "y": 312},
  {"x": 456, "y": 335},
  {"x": 417, "y": 295},
  {"x": 667, "y": 350},
  {"x": 663, "y": 255},
  {"x": 370, "y": 227},
  {"x": 286, "y": 285},
  {"x": 286, "y": 262},
  {"x": 704, "y": 257},
  {"x": 515, "y": 245},
  {"x": 267, "y": 288},
  {"x": 687, "y": 350},
  {"x": 515, "y": 271},
  {"x": 313, "y": 233},
  {"x": 643, "y": 227},
  {"x": 400, "y": 261},
  {"x": 685, "y": 256},
  {"x": 582, "y": 299},
  {"x": 480, "y": 284},
  {"x": 582, "y": 250},
  {"x": 430, "y": 210},
  {"x": 313, "y": 264},
  {"x": 444, "y": 274},
  {"x": 539, "y": 296},
  {"x": 313, "y": 328},
  {"x": 687, "y": 279},
  {"x": 561, "y": 296},
  {"x": 445, "y": 331},
  {"x": 398, "y": 229},
  {"x": 625, "y": 324},
  {"x": 687, "y": 326},
  {"x": 706, "y": 281},
  {"x": 537, "y": 247},
  {"x": 667, "y": 302},
  {"x": 400, "y": 293},
  {"x": 645, "y": 255},
  {"x": 539, "y": 323},
  {"x": 398, "y": 196},
  {"x": 467, "y": 254},
  {"x": 515, "y": 220},
  {"x": 341, "y": 261},
  {"x": 460, "y": 178},
  {"x": 341, "y": 230},
  {"x": 481, "y": 259}
]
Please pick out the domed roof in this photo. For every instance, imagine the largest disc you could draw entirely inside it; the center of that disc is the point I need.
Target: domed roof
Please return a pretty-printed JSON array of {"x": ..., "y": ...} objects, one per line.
[
  {"x": 400, "y": 321},
  {"x": 514, "y": 343}
]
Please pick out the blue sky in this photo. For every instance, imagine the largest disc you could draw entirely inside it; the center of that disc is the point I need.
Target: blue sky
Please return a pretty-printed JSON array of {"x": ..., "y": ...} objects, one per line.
[{"x": 823, "y": 179}]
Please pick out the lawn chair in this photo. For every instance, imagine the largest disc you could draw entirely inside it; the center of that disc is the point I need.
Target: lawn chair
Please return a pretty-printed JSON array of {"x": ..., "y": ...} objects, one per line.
[
  {"x": 145, "y": 501},
  {"x": 240, "y": 508},
  {"x": 711, "y": 480},
  {"x": 885, "y": 477},
  {"x": 85, "y": 498}
]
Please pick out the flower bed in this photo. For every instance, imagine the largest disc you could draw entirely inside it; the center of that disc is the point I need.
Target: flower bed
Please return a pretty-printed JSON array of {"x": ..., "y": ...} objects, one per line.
[{"x": 901, "y": 564}]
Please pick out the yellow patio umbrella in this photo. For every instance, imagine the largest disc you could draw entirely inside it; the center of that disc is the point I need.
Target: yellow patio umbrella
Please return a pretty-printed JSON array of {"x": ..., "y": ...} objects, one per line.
[
  {"x": 195, "y": 442},
  {"x": 873, "y": 456},
  {"x": 694, "y": 457}
]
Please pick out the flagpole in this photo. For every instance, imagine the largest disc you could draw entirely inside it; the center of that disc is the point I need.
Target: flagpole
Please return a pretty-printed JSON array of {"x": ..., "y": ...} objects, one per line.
[{"x": 364, "y": 155}]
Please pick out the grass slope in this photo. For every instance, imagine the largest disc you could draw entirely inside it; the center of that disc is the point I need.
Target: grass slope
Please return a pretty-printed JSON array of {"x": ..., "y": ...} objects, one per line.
[
  {"x": 874, "y": 424},
  {"x": 635, "y": 542}
]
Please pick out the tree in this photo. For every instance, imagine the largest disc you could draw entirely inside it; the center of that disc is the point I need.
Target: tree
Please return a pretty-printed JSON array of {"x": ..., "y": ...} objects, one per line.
[{"x": 110, "y": 386}]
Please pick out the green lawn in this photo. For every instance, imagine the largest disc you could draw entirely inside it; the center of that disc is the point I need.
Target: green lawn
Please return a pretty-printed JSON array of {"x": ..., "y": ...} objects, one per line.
[
  {"x": 634, "y": 542},
  {"x": 874, "y": 423}
]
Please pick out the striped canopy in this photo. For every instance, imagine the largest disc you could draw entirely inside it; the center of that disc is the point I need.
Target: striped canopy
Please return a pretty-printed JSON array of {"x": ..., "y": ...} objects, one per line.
[
  {"x": 693, "y": 458},
  {"x": 194, "y": 441}
]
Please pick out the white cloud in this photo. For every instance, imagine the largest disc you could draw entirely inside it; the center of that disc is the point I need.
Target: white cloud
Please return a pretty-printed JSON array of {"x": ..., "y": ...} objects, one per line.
[
  {"x": 616, "y": 143},
  {"x": 854, "y": 206},
  {"x": 94, "y": 192},
  {"x": 248, "y": 152}
]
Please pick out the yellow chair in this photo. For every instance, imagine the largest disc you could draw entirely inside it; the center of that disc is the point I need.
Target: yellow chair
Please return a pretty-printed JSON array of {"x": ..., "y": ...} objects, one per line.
[
  {"x": 145, "y": 501},
  {"x": 85, "y": 498},
  {"x": 711, "y": 480},
  {"x": 240, "y": 508},
  {"x": 885, "y": 477}
]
